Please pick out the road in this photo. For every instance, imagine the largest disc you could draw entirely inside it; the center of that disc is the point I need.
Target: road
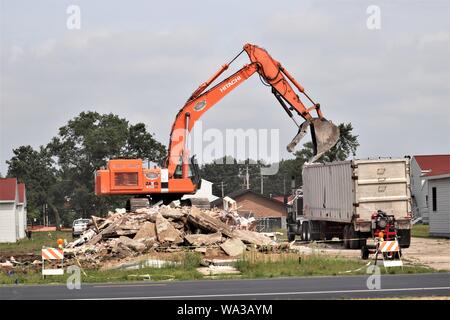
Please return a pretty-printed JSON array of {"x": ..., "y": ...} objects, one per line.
[{"x": 337, "y": 287}]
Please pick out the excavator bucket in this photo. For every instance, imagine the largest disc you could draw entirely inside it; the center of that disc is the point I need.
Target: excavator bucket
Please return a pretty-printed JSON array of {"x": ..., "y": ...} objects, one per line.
[{"x": 324, "y": 136}]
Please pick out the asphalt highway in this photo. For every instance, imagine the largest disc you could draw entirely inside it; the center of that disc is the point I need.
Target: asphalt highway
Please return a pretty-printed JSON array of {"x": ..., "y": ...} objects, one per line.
[{"x": 333, "y": 287}]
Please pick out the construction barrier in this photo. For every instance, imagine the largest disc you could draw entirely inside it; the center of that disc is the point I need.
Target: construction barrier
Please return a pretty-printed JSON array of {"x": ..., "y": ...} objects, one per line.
[
  {"x": 390, "y": 252},
  {"x": 389, "y": 246},
  {"x": 52, "y": 254}
]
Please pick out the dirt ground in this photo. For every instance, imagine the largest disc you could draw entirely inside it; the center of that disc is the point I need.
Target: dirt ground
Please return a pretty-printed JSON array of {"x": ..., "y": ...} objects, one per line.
[{"x": 433, "y": 253}]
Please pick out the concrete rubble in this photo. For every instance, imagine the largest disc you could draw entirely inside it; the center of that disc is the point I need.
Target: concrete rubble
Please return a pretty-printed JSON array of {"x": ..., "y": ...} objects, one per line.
[{"x": 161, "y": 228}]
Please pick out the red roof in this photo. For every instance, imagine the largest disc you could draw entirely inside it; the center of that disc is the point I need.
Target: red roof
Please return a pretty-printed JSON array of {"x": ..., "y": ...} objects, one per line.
[
  {"x": 437, "y": 164},
  {"x": 21, "y": 192},
  {"x": 8, "y": 189}
]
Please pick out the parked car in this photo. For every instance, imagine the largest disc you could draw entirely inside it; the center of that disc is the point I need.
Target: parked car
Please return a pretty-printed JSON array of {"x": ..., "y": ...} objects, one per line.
[{"x": 79, "y": 226}]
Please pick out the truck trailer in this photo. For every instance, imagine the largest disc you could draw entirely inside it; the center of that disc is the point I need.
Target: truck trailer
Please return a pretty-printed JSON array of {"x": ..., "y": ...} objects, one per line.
[{"x": 339, "y": 199}]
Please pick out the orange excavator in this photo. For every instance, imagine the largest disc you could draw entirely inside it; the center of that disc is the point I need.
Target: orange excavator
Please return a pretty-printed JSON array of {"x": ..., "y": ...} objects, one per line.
[{"x": 180, "y": 175}]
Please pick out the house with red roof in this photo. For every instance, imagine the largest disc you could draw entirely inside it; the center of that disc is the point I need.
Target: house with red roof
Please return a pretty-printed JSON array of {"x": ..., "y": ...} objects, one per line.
[
  {"x": 13, "y": 210},
  {"x": 430, "y": 191}
]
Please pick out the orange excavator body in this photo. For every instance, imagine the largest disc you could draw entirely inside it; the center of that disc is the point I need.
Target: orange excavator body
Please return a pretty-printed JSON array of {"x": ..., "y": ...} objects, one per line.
[{"x": 180, "y": 174}]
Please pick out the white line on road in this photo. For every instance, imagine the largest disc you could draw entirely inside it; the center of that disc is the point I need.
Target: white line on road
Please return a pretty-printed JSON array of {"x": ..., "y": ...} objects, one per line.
[{"x": 271, "y": 293}]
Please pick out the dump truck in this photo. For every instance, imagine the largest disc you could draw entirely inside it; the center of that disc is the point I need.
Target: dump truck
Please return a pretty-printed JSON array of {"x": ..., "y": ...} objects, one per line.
[{"x": 339, "y": 199}]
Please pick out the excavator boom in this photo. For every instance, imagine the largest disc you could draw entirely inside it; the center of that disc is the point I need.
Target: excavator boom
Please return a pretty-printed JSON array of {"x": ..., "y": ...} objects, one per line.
[{"x": 129, "y": 177}]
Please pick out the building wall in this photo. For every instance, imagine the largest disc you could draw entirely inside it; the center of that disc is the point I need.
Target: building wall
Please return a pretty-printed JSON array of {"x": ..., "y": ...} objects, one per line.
[
  {"x": 21, "y": 221},
  {"x": 8, "y": 222},
  {"x": 439, "y": 219},
  {"x": 260, "y": 206},
  {"x": 419, "y": 189}
]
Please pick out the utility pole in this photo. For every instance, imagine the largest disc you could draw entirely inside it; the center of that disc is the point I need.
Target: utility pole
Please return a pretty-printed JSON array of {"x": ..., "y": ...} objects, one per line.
[
  {"x": 262, "y": 183},
  {"x": 284, "y": 184},
  {"x": 222, "y": 185},
  {"x": 247, "y": 177}
]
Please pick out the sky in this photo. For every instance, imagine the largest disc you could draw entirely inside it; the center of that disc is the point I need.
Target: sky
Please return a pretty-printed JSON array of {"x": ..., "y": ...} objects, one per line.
[{"x": 143, "y": 59}]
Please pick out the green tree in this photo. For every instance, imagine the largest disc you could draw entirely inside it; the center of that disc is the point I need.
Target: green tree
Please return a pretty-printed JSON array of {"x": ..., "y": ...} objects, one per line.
[{"x": 35, "y": 168}]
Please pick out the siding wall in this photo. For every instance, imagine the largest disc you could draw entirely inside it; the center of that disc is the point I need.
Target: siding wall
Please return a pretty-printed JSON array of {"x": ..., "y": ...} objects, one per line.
[
  {"x": 439, "y": 219},
  {"x": 8, "y": 222},
  {"x": 419, "y": 189},
  {"x": 21, "y": 219}
]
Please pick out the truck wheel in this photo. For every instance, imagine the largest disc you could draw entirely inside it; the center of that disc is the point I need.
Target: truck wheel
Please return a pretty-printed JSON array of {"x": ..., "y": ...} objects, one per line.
[
  {"x": 305, "y": 231},
  {"x": 291, "y": 236},
  {"x": 364, "y": 253},
  {"x": 352, "y": 234},
  {"x": 345, "y": 238},
  {"x": 404, "y": 238}
]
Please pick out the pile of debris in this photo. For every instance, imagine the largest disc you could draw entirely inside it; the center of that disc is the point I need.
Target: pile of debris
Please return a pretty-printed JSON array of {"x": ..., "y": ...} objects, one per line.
[{"x": 164, "y": 229}]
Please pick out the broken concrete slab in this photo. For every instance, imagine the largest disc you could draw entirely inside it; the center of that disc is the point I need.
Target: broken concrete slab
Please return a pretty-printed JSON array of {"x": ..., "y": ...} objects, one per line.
[
  {"x": 203, "y": 239},
  {"x": 132, "y": 244},
  {"x": 168, "y": 212},
  {"x": 206, "y": 222},
  {"x": 147, "y": 231},
  {"x": 166, "y": 232},
  {"x": 252, "y": 237},
  {"x": 215, "y": 270},
  {"x": 233, "y": 247}
]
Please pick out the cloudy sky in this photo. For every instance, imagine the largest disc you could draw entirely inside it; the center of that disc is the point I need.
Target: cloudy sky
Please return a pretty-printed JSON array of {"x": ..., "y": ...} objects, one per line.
[{"x": 142, "y": 59}]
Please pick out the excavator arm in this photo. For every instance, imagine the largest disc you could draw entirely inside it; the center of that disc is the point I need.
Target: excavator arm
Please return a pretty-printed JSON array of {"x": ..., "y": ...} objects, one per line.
[{"x": 324, "y": 133}]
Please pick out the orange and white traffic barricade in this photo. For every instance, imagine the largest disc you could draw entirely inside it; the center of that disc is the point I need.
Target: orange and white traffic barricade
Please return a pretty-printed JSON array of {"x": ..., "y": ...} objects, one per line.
[
  {"x": 390, "y": 252},
  {"x": 51, "y": 254}
]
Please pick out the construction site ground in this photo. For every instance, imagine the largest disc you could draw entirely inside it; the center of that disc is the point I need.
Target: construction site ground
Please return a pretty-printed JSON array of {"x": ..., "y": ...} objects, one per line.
[{"x": 429, "y": 252}]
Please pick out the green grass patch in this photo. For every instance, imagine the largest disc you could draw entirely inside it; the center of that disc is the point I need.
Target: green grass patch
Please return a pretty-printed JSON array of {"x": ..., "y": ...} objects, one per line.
[
  {"x": 34, "y": 245},
  {"x": 185, "y": 270},
  {"x": 312, "y": 265},
  {"x": 420, "y": 230}
]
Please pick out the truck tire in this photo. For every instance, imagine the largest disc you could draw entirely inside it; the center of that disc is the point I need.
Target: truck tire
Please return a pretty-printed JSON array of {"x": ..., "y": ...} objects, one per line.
[
  {"x": 404, "y": 238},
  {"x": 345, "y": 238},
  {"x": 291, "y": 236},
  {"x": 305, "y": 231},
  {"x": 364, "y": 253},
  {"x": 314, "y": 231},
  {"x": 352, "y": 234}
]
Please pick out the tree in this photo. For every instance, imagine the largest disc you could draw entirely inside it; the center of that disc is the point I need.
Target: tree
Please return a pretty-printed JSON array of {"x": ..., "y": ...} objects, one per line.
[
  {"x": 35, "y": 169},
  {"x": 61, "y": 174}
]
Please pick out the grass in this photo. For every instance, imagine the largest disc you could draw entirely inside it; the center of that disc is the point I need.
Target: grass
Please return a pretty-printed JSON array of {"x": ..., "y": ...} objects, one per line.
[
  {"x": 34, "y": 245},
  {"x": 420, "y": 230},
  {"x": 184, "y": 271},
  {"x": 290, "y": 265}
]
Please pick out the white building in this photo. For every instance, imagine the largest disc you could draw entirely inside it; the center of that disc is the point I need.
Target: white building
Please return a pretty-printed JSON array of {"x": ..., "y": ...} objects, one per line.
[
  {"x": 423, "y": 167},
  {"x": 439, "y": 204},
  {"x": 13, "y": 210}
]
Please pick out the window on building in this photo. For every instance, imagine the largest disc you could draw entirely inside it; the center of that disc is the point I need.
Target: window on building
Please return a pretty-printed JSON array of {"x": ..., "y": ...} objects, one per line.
[{"x": 434, "y": 199}]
